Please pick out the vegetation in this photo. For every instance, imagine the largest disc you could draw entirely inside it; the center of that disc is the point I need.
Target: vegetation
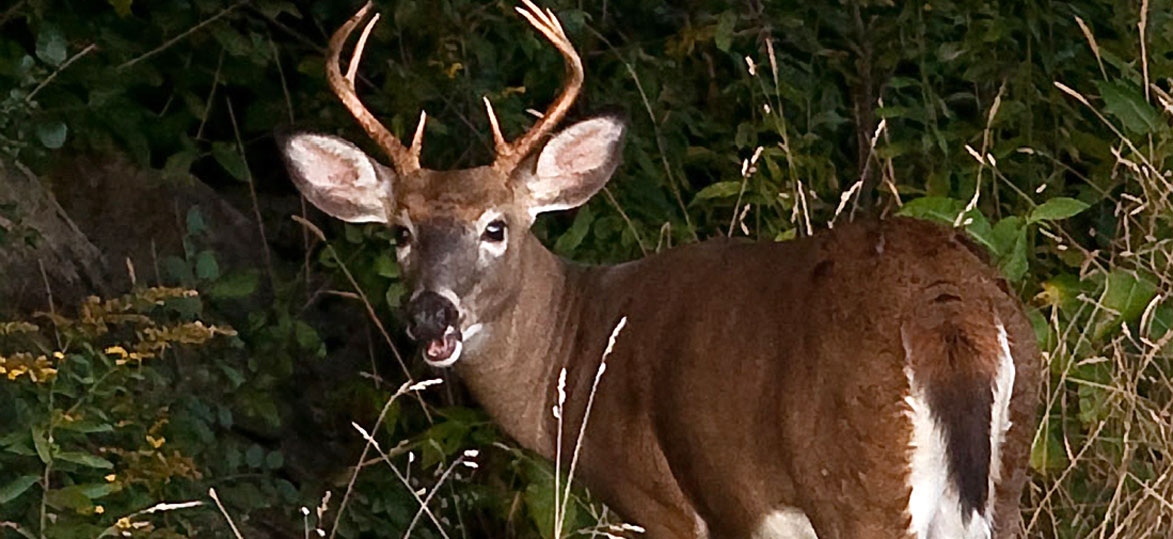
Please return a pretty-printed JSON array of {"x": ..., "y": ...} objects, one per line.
[{"x": 1041, "y": 128}]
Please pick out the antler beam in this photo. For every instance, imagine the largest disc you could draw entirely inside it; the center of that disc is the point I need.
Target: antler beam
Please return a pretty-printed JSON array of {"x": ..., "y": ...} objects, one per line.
[
  {"x": 404, "y": 159},
  {"x": 510, "y": 154}
]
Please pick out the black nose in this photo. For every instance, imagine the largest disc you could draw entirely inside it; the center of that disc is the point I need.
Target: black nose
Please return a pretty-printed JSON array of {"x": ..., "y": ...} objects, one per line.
[{"x": 430, "y": 314}]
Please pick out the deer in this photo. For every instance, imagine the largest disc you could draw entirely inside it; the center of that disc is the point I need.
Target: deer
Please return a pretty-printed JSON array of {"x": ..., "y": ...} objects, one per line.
[{"x": 877, "y": 379}]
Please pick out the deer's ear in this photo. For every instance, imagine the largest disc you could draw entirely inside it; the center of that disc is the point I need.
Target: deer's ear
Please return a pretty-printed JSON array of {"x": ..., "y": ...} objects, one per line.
[
  {"x": 575, "y": 164},
  {"x": 339, "y": 178}
]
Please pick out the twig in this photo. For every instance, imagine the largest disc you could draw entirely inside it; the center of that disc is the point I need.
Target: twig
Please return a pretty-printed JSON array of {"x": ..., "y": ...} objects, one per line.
[
  {"x": 8, "y": 13},
  {"x": 252, "y": 191},
  {"x": 362, "y": 296},
  {"x": 88, "y": 49},
  {"x": 181, "y": 36},
  {"x": 157, "y": 508},
  {"x": 231, "y": 524},
  {"x": 622, "y": 214},
  {"x": 407, "y": 386},
  {"x": 281, "y": 75},
  {"x": 655, "y": 130},
  {"x": 459, "y": 460},
  {"x": 211, "y": 96},
  {"x": 402, "y": 479},
  {"x": 560, "y": 517}
]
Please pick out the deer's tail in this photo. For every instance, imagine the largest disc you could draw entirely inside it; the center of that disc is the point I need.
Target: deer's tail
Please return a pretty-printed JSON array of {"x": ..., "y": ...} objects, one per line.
[{"x": 961, "y": 378}]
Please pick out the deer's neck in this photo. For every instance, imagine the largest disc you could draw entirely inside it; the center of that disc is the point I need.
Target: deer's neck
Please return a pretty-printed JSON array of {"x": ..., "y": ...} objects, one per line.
[{"x": 513, "y": 371}]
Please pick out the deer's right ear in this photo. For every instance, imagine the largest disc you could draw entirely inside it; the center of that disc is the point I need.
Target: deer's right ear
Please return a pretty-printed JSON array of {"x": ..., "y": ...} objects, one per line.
[{"x": 339, "y": 178}]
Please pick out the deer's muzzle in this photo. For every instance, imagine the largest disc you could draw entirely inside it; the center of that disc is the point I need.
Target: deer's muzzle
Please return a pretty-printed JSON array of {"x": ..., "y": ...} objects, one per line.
[{"x": 434, "y": 323}]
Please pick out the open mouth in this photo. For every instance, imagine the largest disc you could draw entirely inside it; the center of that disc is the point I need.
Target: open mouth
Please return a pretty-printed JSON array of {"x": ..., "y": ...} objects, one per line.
[{"x": 445, "y": 350}]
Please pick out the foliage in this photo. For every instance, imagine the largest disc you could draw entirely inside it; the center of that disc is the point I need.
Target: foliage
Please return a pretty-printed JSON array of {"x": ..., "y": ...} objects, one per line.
[
  {"x": 1042, "y": 128},
  {"x": 87, "y": 426}
]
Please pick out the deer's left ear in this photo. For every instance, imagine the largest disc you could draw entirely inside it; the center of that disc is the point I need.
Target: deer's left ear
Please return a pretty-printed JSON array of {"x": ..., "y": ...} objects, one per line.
[{"x": 575, "y": 164}]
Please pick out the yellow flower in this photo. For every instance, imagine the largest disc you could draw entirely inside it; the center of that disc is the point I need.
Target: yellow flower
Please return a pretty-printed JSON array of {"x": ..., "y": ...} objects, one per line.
[
  {"x": 117, "y": 350},
  {"x": 110, "y": 478},
  {"x": 99, "y": 510},
  {"x": 58, "y": 355},
  {"x": 123, "y": 523}
]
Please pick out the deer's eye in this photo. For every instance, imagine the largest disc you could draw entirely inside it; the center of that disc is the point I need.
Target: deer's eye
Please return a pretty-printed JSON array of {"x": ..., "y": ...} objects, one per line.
[
  {"x": 402, "y": 235},
  {"x": 494, "y": 231}
]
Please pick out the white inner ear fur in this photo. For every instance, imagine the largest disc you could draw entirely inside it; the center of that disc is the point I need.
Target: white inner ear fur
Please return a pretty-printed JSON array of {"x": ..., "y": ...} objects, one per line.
[
  {"x": 338, "y": 178},
  {"x": 572, "y": 166},
  {"x": 490, "y": 248}
]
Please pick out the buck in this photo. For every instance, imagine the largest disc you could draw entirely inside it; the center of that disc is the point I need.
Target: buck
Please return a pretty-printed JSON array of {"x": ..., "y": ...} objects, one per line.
[{"x": 875, "y": 380}]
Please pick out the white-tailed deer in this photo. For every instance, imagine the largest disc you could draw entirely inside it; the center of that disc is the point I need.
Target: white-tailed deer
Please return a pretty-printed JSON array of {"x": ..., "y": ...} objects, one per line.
[{"x": 877, "y": 380}]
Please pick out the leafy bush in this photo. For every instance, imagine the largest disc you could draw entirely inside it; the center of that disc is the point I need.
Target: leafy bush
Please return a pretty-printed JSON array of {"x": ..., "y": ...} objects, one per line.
[{"x": 90, "y": 411}]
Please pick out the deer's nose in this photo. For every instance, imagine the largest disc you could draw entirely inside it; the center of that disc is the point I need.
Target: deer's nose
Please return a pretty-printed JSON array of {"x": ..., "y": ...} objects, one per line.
[{"x": 431, "y": 315}]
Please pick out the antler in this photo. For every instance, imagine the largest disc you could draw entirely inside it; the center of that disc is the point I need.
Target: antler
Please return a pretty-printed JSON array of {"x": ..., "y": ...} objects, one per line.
[
  {"x": 510, "y": 154},
  {"x": 405, "y": 160}
]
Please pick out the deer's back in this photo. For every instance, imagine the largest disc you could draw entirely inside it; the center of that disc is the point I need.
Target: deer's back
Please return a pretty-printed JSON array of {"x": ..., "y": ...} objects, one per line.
[{"x": 782, "y": 365}]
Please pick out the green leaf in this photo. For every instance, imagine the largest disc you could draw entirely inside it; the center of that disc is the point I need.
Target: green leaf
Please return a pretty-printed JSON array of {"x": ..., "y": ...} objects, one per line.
[
  {"x": 1127, "y": 104},
  {"x": 1005, "y": 235},
  {"x": 719, "y": 190},
  {"x": 94, "y": 491},
  {"x": 540, "y": 495},
  {"x": 306, "y": 335},
  {"x": 235, "y": 285},
  {"x": 353, "y": 233},
  {"x": 940, "y": 209},
  {"x": 1047, "y": 453},
  {"x": 85, "y": 459},
  {"x": 44, "y": 449},
  {"x": 195, "y": 221},
  {"x": 573, "y": 237},
  {"x": 86, "y": 426},
  {"x": 121, "y": 7},
  {"x": 385, "y": 266},
  {"x": 273, "y": 8},
  {"x": 16, "y": 487},
  {"x": 1056, "y": 209},
  {"x": 206, "y": 266},
  {"x": 394, "y": 295},
  {"x": 178, "y": 165},
  {"x": 723, "y": 36},
  {"x": 1127, "y": 294},
  {"x": 52, "y": 134},
  {"x": 255, "y": 456},
  {"x": 746, "y": 135},
  {"x": 1014, "y": 263},
  {"x": 73, "y": 497},
  {"x": 51, "y": 45},
  {"x": 274, "y": 460},
  {"x": 225, "y": 153}
]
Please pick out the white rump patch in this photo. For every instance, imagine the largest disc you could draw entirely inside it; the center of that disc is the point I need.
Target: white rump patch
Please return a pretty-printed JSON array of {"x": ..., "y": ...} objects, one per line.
[
  {"x": 934, "y": 504},
  {"x": 1000, "y": 414},
  {"x": 785, "y": 523}
]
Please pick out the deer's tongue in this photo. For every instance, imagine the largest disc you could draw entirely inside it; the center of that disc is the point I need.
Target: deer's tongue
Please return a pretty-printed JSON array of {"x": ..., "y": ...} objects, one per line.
[{"x": 441, "y": 349}]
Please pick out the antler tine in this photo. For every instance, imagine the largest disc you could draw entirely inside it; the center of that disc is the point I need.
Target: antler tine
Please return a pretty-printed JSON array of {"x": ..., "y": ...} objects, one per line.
[
  {"x": 510, "y": 154},
  {"x": 405, "y": 160}
]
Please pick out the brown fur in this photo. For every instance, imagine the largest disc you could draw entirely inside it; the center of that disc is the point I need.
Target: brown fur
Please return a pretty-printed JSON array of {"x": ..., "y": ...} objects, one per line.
[{"x": 754, "y": 375}]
